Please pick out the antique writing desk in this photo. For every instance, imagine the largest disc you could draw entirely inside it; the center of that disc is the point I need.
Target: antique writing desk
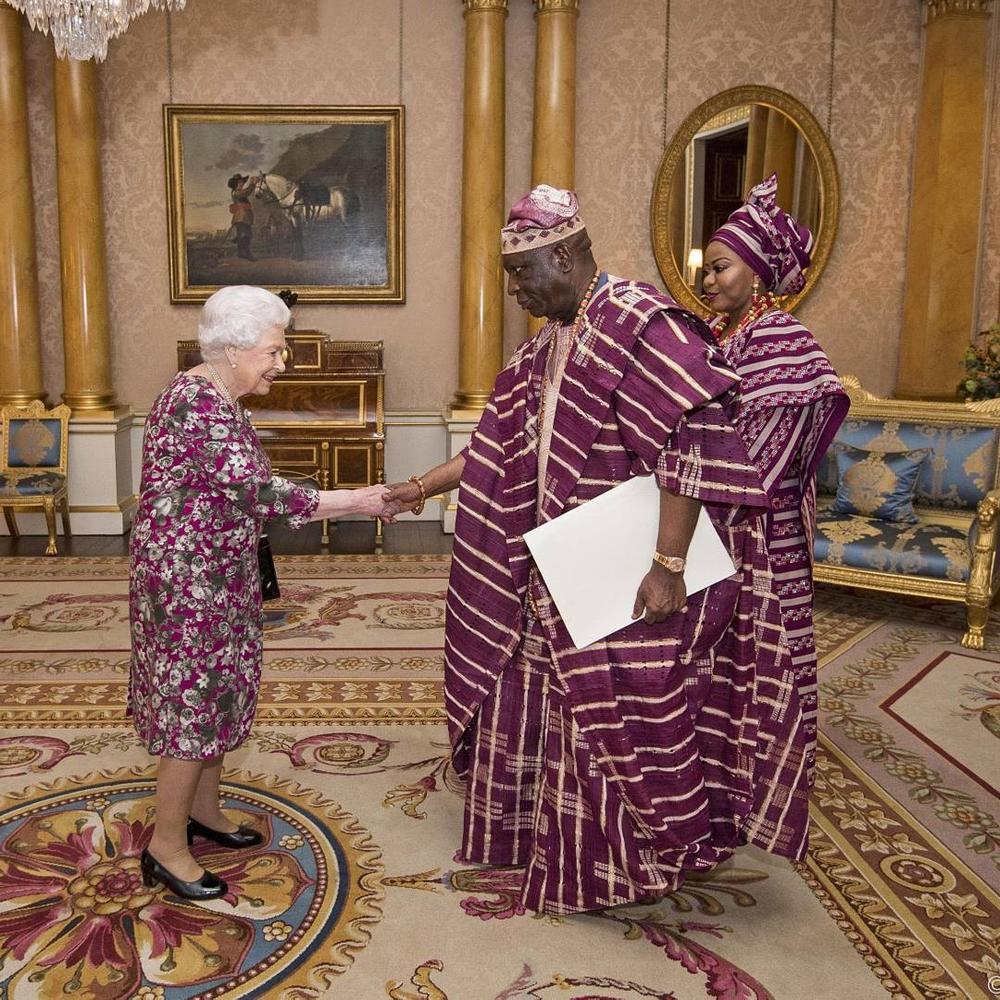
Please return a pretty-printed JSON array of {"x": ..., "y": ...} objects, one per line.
[{"x": 323, "y": 417}]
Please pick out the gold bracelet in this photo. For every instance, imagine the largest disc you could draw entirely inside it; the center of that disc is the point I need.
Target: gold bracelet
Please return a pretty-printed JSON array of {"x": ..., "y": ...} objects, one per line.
[{"x": 419, "y": 509}]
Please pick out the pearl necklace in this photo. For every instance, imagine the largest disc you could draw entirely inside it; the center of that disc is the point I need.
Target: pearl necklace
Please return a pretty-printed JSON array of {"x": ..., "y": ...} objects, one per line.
[{"x": 220, "y": 384}]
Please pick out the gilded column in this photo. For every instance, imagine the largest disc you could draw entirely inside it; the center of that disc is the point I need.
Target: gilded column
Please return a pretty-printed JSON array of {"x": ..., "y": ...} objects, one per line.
[
  {"x": 20, "y": 339},
  {"x": 756, "y": 141},
  {"x": 553, "y": 144},
  {"x": 779, "y": 155},
  {"x": 480, "y": 352},
  {"x": 807, "y": 200},
  {"x": 86, "y": 330},
  {"x": 939, "y": 307},
  {"x": 553, "y": 138}
]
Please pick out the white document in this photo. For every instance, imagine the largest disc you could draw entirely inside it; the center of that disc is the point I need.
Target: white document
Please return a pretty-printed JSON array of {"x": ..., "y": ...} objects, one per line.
[{"x": 594, "y": 557}]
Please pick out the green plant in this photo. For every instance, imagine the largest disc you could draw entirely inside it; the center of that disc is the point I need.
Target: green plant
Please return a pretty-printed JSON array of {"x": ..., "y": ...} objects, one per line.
[{"x": 982, "y": 366}]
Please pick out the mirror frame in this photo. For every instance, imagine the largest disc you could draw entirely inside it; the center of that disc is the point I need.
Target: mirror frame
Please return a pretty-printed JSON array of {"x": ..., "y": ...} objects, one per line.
[{"x": 815, "y": 138}]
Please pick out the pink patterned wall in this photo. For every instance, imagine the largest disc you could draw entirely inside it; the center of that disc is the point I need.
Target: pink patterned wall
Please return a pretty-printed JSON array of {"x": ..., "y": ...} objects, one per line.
[
  {"x": 342, "y": 52},
  {"x": 989, "y": 253}
]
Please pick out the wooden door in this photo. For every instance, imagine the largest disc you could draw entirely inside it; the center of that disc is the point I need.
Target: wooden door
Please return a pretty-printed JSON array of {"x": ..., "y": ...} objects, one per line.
[{"x": 725, "y": 162}]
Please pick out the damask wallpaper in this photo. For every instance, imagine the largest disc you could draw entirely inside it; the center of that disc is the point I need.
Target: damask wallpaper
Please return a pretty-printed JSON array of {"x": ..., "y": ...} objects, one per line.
[
  {"x": 343, "y": 52},
  {"x": 989, "y": 254}
]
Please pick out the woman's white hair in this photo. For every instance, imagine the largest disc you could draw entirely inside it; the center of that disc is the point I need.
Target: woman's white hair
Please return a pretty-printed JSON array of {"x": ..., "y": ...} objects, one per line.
[{"x": 239, "y": 316}]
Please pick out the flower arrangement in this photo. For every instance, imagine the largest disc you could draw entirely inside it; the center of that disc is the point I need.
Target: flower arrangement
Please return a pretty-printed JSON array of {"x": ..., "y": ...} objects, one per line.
[{"x": 982, "y": 366}]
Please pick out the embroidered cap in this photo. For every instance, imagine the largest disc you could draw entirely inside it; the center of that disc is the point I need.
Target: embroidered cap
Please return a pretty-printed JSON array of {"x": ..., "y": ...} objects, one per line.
[{"x": 544, "y": 216}]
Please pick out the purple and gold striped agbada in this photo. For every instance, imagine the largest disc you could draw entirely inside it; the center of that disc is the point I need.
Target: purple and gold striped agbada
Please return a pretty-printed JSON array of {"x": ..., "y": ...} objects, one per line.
[{"x": 610, "y": 771}]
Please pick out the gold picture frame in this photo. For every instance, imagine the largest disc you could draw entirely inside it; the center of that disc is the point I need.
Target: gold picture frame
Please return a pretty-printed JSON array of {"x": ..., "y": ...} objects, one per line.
[{"x": 300, "y": 197}]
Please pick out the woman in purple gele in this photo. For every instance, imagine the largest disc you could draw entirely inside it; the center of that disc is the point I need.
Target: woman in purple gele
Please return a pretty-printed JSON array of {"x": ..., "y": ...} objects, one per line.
[
  {"x": 194, "y": 582},
  {"x": 791, "y": 401}
]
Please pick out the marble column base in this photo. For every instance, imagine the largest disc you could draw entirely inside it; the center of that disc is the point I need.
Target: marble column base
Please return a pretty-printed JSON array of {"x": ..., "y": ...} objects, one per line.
[{"x": 459, "y": 425}]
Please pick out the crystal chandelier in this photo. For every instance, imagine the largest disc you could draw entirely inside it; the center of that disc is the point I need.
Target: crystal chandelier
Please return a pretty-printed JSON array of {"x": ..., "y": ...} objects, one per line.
[{"x": 81, "y": 29}]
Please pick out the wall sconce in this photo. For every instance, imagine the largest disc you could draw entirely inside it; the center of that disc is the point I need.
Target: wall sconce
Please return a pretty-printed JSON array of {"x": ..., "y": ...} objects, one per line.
[{"x": 695, "y": 262}]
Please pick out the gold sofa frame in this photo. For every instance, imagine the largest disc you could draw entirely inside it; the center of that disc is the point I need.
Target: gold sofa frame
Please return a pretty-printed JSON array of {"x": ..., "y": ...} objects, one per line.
[
  {"x": 59, "y": 500},
  {"x": 980, "y": 590}
]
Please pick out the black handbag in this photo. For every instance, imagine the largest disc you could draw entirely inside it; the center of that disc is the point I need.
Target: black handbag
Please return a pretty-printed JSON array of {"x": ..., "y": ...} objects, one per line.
[{"x": 269, "y": 590}]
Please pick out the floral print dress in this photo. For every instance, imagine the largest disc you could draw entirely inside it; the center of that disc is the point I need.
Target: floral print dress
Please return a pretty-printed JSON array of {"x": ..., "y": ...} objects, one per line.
[{"x": 194, "y": 586}]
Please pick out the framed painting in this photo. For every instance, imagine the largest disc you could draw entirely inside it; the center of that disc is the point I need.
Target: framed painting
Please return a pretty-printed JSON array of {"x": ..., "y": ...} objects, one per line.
[{"x": 307, "y": 198}]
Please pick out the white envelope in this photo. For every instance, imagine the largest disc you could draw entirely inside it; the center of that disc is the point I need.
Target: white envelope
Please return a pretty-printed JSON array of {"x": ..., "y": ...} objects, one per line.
[{"x": 594, "y": 557}]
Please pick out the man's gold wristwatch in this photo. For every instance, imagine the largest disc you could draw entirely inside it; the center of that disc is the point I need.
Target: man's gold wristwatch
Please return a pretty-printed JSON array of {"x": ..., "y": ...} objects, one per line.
[{"x": 672, "y": 564}]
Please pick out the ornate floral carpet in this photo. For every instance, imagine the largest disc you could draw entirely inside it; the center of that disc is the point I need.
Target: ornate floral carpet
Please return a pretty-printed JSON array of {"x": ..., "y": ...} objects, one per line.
[{"x": 357, "y": 891}]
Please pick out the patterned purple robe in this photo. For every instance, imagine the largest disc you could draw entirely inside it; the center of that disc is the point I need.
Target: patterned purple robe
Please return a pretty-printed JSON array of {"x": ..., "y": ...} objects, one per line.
[
  {"x": 791, "y": 406},
  {"x": 194, "y": 585},
  {"x": 609, "y": 771}
]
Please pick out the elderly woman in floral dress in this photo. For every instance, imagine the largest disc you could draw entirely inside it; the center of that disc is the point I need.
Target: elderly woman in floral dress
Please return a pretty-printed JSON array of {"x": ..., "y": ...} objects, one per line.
[{"x": 195, "y": 603}]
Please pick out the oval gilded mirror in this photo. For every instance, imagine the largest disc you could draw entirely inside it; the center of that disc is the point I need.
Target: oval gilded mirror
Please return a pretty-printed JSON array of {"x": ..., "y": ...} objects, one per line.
[{"x": 724, "y": 147}]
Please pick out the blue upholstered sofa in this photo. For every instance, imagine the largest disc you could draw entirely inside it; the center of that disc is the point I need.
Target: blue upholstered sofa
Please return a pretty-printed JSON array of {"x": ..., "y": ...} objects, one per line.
[{"x": 951, "y": 552}]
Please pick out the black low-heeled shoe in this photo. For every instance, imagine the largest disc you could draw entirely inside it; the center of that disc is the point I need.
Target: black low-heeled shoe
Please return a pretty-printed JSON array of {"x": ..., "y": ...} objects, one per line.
[
  {"x": 238, "y": 840},
  {"x": 209, "y": 886}
]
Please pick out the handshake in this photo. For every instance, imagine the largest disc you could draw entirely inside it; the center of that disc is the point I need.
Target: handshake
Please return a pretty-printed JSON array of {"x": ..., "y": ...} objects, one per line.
[
  {"x": 383, "y": 502},
  {"x": 400, "y": 497}
]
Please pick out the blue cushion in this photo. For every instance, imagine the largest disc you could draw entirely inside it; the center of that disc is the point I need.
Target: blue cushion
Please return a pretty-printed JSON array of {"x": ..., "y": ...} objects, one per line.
[
  {"x": 17, "y": 484},
  {"x": 940, "y": 551},
  {"x": 34, "y": 443},
  {"x": 958, "y": 474},
  {"x": 878, "y": 484}
]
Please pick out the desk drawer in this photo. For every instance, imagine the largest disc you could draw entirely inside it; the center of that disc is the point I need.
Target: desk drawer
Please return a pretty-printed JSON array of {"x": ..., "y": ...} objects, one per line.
[
  {"x": 354, "y": 465},
  {"x": 298, "y": 453}
]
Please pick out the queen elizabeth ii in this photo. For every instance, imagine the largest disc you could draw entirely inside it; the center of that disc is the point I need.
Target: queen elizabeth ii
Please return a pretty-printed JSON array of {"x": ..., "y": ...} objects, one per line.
[{"x": 194, "y": 584}]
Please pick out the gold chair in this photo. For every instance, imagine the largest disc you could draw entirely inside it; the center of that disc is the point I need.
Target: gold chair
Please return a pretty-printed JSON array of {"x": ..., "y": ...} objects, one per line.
[{"x": 33, "y": 465}]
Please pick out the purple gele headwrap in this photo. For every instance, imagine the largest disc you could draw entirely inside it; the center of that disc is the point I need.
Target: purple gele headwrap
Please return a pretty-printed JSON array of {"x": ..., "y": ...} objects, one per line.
[
  {"x": 543, "y": 216},
  {"x": 768, "y": 240}
]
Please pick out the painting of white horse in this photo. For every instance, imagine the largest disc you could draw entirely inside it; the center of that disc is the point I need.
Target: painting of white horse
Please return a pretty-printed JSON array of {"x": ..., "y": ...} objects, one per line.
[{"x": 303, "y": 198}]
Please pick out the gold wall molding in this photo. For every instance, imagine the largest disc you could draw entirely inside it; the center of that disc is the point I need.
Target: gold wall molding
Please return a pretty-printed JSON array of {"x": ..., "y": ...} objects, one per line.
[
  {"x": 124, "y": 504},
  {"x": 557, "y": 6},
  {"x": 731, "y": 116},
  {"x": 476, "y": 6},
  {"x": 958, "y": 8}
]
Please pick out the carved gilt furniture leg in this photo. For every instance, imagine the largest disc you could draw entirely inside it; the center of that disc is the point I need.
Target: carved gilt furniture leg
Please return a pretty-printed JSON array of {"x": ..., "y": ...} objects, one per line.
[
  {"x": 11, "y": 519},
  {"x": 64, "y": 509},
  {"x": 979, "y": 593},
  {"x": 50, "y": 519}
]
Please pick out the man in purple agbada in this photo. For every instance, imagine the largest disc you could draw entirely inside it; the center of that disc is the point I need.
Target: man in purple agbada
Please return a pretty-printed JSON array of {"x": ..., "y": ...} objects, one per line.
[{"x": 610, "y": 771}]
